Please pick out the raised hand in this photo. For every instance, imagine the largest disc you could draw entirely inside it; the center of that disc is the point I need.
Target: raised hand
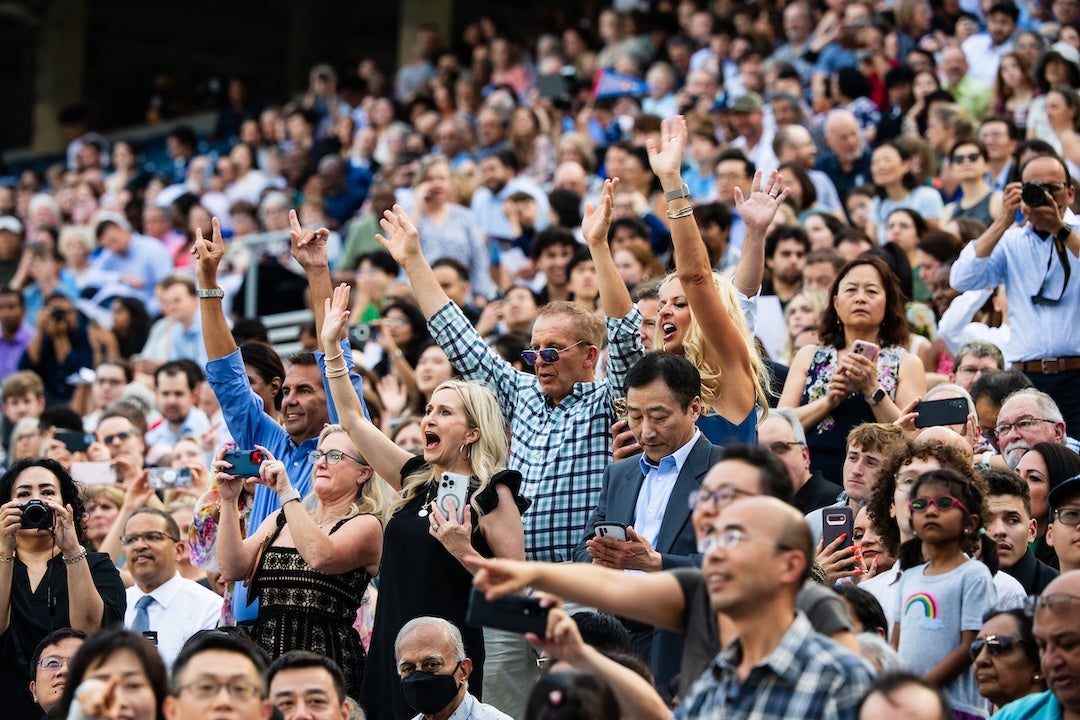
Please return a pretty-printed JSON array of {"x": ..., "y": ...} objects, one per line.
[
  {"x": 594, "y": 226},
  {"x": 766, "y": 197},
  {"x": 208, "y": 254},
  {"x": 336, "y": 317},
  {"x": 666, "y": 157},
  {"x": 402, "y": 240},
  {"x": 308, "y": 246}
]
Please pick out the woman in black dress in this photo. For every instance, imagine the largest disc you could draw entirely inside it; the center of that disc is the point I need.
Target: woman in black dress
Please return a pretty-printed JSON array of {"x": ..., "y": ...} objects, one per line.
[
  {"x": 427, "y": 556},
  {"x": 319, "y": 555},
  {"x": 48, "y": 580}
]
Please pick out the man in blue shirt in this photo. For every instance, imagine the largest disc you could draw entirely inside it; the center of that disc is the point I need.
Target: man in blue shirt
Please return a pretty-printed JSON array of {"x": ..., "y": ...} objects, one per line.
[
  {"x": 129, "y": 265},
  {"x": 306, "y": 406}
]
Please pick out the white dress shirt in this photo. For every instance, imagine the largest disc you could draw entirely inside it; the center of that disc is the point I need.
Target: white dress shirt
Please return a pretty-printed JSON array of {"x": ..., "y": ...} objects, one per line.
[{"x": 180, "y": 609}]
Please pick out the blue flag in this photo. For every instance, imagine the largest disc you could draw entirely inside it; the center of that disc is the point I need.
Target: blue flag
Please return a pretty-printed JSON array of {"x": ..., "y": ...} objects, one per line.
[{"x": 609, "y": 83}]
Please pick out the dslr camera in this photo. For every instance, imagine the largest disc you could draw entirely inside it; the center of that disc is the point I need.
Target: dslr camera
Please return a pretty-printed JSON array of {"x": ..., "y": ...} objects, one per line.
[
  {"x": 58, "y": 314},
  {"x": 1034, "y": 194},
  {"x": 36, "y": 515}
]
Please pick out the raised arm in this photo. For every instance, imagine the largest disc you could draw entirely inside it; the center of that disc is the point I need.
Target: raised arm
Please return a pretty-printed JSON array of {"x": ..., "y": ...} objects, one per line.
[
  {"x": 653, "y": 598},
  {"x": 403, "y": 242},
  {"x": 309, "y": 249},
  {"x": 385, "y": 457},
  {"x": 217, "y": 337},
  {"x": 614, "y": 297}
]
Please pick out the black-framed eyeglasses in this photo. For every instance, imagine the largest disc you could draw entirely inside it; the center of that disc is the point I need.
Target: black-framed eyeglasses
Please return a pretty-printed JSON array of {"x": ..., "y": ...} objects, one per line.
[
  {"x": 966, "y": 157},
  {"x": 121, "y": 436},
  {"x": 548, "y": 355},
  {"x": 941, "y": 502},
  {"x": 720, "y": 496},
  {"x": 1068, "y": 516},
  {"x": 208, "y": 687},
  {"x": 1056, "y": 603},
  {"x": 781, "y": 447},
  {"x": 333, "y": 457},
  {"x": 995, "y": 645},
  {"x": 1021, "y": 424},
  {"x": 153, "y": 536},
  {"x": 727, "y": 539}
]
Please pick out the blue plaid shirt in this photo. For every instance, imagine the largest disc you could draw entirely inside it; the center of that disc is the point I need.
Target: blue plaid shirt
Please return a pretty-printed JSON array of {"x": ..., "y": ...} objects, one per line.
[
  {"x": 560, "y": 450},
  {"x": 807, "y": 676}
]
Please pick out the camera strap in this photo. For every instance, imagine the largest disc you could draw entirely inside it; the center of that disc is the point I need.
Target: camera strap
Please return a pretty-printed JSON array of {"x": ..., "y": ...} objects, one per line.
[{"x": 1063, "y": 257}]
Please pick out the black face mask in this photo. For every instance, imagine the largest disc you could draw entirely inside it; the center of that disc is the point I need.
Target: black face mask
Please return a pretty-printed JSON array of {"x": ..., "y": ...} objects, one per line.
[{"x": 428, "y": 693}]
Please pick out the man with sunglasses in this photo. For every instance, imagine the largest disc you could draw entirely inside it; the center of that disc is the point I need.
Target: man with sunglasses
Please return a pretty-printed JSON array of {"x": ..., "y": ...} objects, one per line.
[
  {"x": 783, "y": 434},
  {"x": 1056, "y": 615},
  {"x": 1063, "y": 533},
  {"x": 162, "y": 605},
  {"x": 1037, "y": 262}
]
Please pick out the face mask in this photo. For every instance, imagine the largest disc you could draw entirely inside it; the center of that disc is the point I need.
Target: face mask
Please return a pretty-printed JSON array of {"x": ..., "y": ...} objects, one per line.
[{"x": 428, "y": 693}]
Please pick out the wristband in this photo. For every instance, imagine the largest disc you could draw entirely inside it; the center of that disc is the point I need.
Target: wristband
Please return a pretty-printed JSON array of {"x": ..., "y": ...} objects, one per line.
[
  {"x": 288, "y": 496},
  {"x": 72, "y": 559},
  {"x": 680, "y": 213},
  {"x": 210, "y": 293},
  {"x": 682, "y": 192}
]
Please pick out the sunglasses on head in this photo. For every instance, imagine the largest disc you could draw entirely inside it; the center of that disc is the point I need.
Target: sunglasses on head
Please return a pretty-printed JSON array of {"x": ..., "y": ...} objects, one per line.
[
  {"x": 548, "y": 355},
  {"x": 941, "y": 502},
  {"x": 995, "y": 645}
]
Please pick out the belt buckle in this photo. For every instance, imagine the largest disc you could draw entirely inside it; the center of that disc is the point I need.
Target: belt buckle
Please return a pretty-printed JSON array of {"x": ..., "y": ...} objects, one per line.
[{"x": 1056, "y": 365}]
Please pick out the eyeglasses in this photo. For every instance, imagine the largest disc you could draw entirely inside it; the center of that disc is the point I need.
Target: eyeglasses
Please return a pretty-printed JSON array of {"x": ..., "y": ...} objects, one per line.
[
  {"x": 152, "y": 536},
  {"x": 121, "y": 436},
  {"x": 968, "y": 157},
  {"x": 111, "y": 382},
  {"x": 52, "y": 663},
  {"x": 1020, "y": 425},
  {"x": 1056, "y": 603},
  {"x": 394, "y": 321},
  {"x": 781, "y": 448},
  {"x": 1068, "y": 517},
  {"x": 941, "y": 502},
  {"x": 548, "y": 355},
  {"x": 720, "y": 496},
  {"x": 206, "y": 688},
  {"x": 717, "y": 539},
  {"x": 333, "y": 457},
  {"x": 996, "y": 645}
]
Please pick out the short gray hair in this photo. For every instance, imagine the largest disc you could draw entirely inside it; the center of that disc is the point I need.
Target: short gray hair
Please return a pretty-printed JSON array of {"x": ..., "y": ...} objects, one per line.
[
  {"x": 981, "y": 349},
  {"x": 788, "y": 414},
  {"x": 953, "y": 388},
  {"x": 1043, "y": 402},
  {"x": 455, "y": 635}
]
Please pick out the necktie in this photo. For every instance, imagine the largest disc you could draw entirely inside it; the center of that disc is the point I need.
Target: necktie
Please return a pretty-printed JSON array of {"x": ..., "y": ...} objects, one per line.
[{"x": 142, "y": 618}]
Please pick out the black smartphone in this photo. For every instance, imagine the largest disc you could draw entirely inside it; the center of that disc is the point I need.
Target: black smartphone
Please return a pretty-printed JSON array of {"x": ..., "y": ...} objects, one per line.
[
  {"x": 950, "y": 411},
  {"x": 245, "y": 463},
  {"x": 514, "y": 613},
  {"x": 837, "y": 521},
  {"x": 74, "y": 441}
]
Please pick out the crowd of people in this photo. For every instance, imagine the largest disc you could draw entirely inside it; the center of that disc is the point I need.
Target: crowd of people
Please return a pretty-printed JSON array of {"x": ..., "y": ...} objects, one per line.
[{"x": 737, "y": 344}]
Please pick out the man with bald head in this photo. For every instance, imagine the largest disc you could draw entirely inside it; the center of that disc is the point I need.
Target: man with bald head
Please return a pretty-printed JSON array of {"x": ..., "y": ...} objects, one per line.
[
  {"x": 945, "y": 436},
  {"x": 848, "y": 162},
  {"x": 1057, "y": 633},
  {"x": 757, "y": 556}
]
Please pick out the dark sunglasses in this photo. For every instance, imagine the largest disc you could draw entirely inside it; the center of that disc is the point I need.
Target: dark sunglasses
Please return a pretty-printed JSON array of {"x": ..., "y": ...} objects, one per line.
[
  {"x": 968, "y": 157},
  {"x": 941, "y": 502},
  {"x": 121, "y": 436},
  {"x": 995, "y": 645},
  {"x": 548, "y": 355}
]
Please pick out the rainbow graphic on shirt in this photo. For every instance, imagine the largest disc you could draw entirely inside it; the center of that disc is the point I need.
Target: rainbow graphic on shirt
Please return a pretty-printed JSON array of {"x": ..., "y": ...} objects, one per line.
[{"x": 926, "y": 601}]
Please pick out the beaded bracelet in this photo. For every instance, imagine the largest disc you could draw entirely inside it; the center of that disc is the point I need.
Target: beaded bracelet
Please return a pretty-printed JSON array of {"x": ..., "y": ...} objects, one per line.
[
  {"x": 332, "y": 373},
  {"x": 682, "y": 212},
  {"x": 327, "y": 360}
]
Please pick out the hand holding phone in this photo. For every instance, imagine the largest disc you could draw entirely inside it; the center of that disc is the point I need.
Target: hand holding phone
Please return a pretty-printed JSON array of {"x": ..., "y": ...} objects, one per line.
[
  {"x": 245, "y": 463},
  {"x": 613, "y": 530},
  {"x": 836, "y": 522},
  {"x": 514, "y": 613},
  {"x": 949, "y": 411},
  {"x": 867, "y": 349},
  {"x": 456, "y": 486}
]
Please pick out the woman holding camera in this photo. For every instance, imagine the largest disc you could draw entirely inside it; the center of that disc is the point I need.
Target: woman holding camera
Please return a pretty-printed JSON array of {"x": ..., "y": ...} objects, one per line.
[{"x": 48, "y": 580}]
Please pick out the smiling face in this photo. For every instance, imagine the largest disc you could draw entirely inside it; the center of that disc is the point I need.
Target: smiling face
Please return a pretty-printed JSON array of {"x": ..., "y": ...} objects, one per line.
[
  {"x": 860, "y": 298},
  {"x": 343, "y": 479},
  {"x": 446, "y": 429},
  {"x": 674, "y": 320},
  {"x": 150, "y": 562},
  {"x": 1007, "y": 676},
  {"x": 432, "y": 369},
  {"x": 887, "y": 167},
  {"x": 304, "y": 404}
]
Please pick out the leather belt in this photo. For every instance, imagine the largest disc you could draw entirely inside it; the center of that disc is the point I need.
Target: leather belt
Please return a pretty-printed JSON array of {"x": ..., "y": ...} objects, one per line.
[{"x": 1048, "y": 366}]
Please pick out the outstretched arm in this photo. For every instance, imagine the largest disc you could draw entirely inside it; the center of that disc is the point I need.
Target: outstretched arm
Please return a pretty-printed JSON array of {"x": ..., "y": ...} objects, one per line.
[
  {"x": 309, "y": 249},
  {"x": 382, "y": 454},
  {"x": 614, "y": 297},
  {"x": 216, "y": 334},
  {"x": 403, "y": 242},
  {"x": 695, "y": 273}
]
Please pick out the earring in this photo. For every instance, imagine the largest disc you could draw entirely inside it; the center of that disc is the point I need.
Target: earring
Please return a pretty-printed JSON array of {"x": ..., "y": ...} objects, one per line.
[
  {"x": 462, "y": 451},
  {"x": 1037, "y": 677}
]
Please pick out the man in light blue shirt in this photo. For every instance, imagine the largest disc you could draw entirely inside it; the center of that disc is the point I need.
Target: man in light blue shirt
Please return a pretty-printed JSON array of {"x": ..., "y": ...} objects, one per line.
[
  {"x": 498, "y": 181},
  {"x": 650, "y": 493},
  {"x": 129, "y": 264},
  {"x": 175, "y": 396},
  {"x": 177, "y": 335},
  {"x": 1039, "y": 264}
]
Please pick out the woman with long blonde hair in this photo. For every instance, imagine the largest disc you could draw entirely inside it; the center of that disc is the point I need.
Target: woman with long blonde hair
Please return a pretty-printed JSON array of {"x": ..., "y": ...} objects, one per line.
[{"x": 428, "y": 552}]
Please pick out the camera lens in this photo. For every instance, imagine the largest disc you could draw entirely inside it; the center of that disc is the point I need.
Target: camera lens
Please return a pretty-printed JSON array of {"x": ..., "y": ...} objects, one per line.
[
  {"x": 1033, "y": 194},
  {"x": 36, "y": 515}
]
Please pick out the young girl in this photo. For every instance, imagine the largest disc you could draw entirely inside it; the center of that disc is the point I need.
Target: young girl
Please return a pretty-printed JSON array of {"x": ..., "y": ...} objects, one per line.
[{"x": 943, "y": 599}]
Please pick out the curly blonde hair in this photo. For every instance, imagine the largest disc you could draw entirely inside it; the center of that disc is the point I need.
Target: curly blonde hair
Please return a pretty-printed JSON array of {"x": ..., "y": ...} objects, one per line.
[
  {"x": 694, "y": 348},
  {"x": 486, "y": 456}
]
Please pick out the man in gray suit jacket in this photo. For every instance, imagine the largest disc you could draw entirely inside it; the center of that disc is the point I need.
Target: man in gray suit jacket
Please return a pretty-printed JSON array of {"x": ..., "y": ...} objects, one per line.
[{"x": 649, "y": 493}]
